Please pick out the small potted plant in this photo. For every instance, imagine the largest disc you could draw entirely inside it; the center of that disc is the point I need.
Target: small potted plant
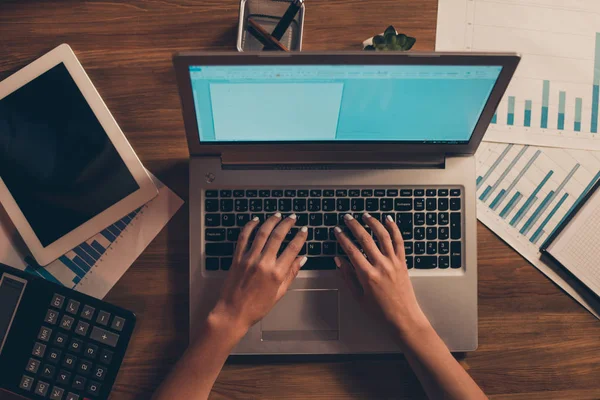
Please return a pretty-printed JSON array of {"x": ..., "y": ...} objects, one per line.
[{"x": 390, "y": 40}]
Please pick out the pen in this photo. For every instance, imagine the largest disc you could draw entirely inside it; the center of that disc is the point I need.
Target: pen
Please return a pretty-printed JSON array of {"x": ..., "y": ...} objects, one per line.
[
  {"x": 264, "y": 37},
  {"x": 286, "y": 20}
]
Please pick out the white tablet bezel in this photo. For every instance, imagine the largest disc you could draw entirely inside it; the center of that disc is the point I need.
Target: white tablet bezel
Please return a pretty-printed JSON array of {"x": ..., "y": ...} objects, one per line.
[{"x": 146, "y": 192}]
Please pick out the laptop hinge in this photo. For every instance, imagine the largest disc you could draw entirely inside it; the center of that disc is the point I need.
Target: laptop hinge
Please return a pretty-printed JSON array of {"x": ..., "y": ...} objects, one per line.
[{"x": 330, "y": 160}]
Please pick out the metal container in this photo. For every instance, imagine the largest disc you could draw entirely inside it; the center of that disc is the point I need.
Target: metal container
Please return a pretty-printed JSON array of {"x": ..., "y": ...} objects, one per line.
[{"x": 268, "y": 13}]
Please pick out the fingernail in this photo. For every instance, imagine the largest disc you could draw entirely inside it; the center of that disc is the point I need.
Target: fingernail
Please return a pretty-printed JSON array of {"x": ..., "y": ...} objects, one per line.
[
  {"x": 255, "y": 219},
  {"x": 348, "y": 217},
  {"x": 337, "y": 261},
  {"x": 389, "y": 218},
  {"x": 304, "y": 229},
  {"x": 366, "y": 216},
  {"x": 292, "y": 216},
  {"x": 303, "y": 261},
  {"x": 337, "y": 229},
  {"x": 278, "y": 215}
]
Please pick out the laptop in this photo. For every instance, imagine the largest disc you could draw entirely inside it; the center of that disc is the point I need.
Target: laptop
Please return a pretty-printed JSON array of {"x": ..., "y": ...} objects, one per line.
[{"x": 325, "y": 134}]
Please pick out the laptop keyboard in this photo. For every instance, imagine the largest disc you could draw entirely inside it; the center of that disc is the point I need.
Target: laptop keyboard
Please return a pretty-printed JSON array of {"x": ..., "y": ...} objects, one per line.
[{"x": 430, "y": 220}]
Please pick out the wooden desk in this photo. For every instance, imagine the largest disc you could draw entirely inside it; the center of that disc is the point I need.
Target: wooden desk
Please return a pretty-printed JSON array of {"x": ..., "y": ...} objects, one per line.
[{"x": 535, "y": 341}]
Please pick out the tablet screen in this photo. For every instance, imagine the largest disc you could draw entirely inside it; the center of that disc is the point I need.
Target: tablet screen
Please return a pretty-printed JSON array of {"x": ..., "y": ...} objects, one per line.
[{"x": 56, "y": 159}]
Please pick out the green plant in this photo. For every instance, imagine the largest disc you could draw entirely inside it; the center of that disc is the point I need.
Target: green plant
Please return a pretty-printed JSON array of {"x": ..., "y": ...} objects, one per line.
[{"x": 391, "y": 40}]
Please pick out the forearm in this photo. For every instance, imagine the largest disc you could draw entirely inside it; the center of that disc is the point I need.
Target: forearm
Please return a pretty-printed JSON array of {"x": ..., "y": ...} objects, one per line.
[
  {"x": 438, "y": 371},
  {"x": 195, "y": 374}
]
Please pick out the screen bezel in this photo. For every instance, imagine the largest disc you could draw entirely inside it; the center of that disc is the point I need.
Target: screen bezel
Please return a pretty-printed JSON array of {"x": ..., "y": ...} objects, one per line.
[
  {"x": 147, "y": 189},
  {"x": 182, "y": 62},
  {"x": 14, "y": 313}
]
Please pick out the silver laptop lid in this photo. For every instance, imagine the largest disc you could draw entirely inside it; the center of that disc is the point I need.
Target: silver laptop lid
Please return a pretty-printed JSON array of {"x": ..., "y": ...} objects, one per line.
[{"x": 367, "y": 102}]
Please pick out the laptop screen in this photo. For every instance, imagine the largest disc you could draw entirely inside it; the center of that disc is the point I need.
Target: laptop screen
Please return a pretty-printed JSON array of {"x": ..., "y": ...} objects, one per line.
[{"x": 340, "y": 103}]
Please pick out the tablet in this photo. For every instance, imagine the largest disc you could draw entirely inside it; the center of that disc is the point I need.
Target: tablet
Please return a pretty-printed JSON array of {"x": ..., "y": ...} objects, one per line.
[{"x": 66, "y": 169}]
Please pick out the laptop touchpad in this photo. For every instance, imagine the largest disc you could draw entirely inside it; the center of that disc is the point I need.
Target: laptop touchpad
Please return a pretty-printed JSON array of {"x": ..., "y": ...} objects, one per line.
[{"x": 303, "y": 315}]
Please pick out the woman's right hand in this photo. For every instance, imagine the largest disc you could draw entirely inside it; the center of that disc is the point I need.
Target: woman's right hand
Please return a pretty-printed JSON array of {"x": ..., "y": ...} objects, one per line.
[{"x": 380, "y": 280}]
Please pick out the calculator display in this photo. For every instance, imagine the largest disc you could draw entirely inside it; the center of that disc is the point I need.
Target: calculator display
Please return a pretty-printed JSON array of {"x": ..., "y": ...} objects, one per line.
[{"x": 11, "y": 290}]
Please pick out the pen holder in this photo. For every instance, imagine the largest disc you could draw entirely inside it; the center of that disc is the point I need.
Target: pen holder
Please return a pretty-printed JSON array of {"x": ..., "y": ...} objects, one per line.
[{"x": 268, "y": 13}]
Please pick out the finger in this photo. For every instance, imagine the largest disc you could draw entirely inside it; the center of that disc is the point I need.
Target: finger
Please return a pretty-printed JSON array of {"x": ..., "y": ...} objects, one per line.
[
  {"x": 361, "y": 264},
  {"x": 293, "y": 248},
  {"x": 278, "y": 236},
  {"x": 364, "y": 239},
  {"x": 385, "y": 241},
  {"x": 350, "y": 277},
  {"x": 263, "y": 235},
  {"x": 295, "y": 268},
  {"x": 243, "y": 239},
  {"x": 397, "y": 240}
]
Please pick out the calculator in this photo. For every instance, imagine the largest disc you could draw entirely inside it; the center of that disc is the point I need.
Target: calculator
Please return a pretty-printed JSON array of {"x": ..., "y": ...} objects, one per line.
[{"x": 56, "y": 343}]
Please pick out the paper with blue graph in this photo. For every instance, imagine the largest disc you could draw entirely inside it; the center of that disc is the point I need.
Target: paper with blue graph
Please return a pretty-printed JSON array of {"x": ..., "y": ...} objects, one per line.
[
  {"x": 554, "y": 98},
  {"x": 96, "y": 265},
  {"x": 524, "y": 192}
]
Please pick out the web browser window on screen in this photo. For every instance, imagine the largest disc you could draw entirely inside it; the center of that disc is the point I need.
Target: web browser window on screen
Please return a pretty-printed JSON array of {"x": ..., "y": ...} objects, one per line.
[{"x": 430, "y": 104}]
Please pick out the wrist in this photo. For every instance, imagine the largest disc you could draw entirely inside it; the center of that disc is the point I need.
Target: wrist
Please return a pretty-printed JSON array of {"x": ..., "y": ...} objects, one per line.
[
  {"x": 225, "y": 322},
  {"x": 411, "y": 325}
]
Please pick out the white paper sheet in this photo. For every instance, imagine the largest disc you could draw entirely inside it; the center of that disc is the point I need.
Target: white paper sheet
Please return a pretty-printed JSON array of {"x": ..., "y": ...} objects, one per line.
[{"x": 96, "y": 265}]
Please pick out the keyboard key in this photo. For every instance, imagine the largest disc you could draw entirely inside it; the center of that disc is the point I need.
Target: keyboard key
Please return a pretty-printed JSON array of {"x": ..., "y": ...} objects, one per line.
[
  {"x": 60, "y": 340},
  {"x": 91, "y": 350},
  {"x": 26, "y": 383},
  {"x": 454, "y": 192},
  {"x": 51, "y": 317},
  {"x": 212, "y": 220},
  {"x": 419, "y": 234},
  {"x": 455, "y": 228},
  {"x": 314, "y": 249},
  {"x": 328, "y": 205},
  {"x": 228, "y": 219},
  {"x": 79, "y": 382},
  {"x": 443, "y": 204},
  {"x": 443, "y": 218},
  {"x": 405, "y": 224},
  {"x": 357, "y": 205},
  {"x": 277, "y": 193},
  {"x": 212, "y": 264},
  {"x": 432, "y": 248},
  {"x": 57, "y": 301},
  {"x": 72, "y": 307},
  {"x": 226, "y": 193},
  {"x": 419, "y": 204},
  {"x": 242, "y": 219},
  {"x": 455, "y": 249},
  {"x": 103, "y": 318},
  {"x": 39, "y": 350},
  {"x": 238, "y": 193},
  {"x": 315, "y": 219},
  {"x": 241, "y": 205},
  {"x": 408, "y": 248},
  {"x": 321, "y": 234},
  {"x": 302, "y": 219},
  {"x": 106, "y": 356},
  {"x": 226, "y": 205},
  {"x": 328, "y": 193},
  {"x": 319, "y": 263},
  {"x": 84, "y": 367},
  {"x": 211, "y": 205},
  {"x": 329, "y": 248},
  {"x": 54, "y": 356},
  {"x": 386, "y": 204},
  {"x": 443, "y": 233},
  {"x": 260, "y": 216},
  {"x": 419, "y": 192},
  {"x": 331, "y": 219},
  {"x": 56, "y": 393},
  {"x": 285, "y": 205},
  {"x": 75, "y": 345},
  {"x": 354, "y": 192},
  {"x": 419, "y": 247},
  {"x": 372, "y": 204},
  {"x": 409, "y": 262},
  {"x": 256, "y": 205},
  {"x": 392, "y": 192},
  {"x": 270, "y": 205},
  {"x": 48, "y": 372},
  {"x": 379, "y": 192},
  {"x": 314, "y": 205},
  {"x": 426, "y": 262},
  {"x": 226, "y": 263},
  {"x": 211, "y": 193},
  {"x": 42, "y": 388},
  {"x": 431, "y": 218},
  {"x": 233, "y": 234},
  {"x": 104, "y": 337},
  {"x": 290, "y": 193},
  {"x": 341, "y": 193},
  {"x": 343, "y": 205},
  {"x": 93, "y": 388},
  {"x": 442, "y": 192},
  {"x": 219, "y": 249},
  {"x": 214, "y": 235},
  {"x": 430, "y": 192},
  {"x": 264, "y": 193},
  {"x": 419, "y": 218},
  {"x": 443, "y": 262},
  {"x": 81, "y": 328},
  {"x": 299, "y": 205},
  {"x": 64, "y": 377},
  {"x": 455, "y": 204},
  {"x": 44, "y": 334},
  {"x": 251, "y": 193},
  {"x": 69, "y": 361},
  {"x": 316, "y": 193},
  {"x": 32, "y": 366},
  {"x": 403, "y": 204},
  {"x": 431, "y": 204},
  {"x": 99, "y": 372},
  {"x": 72, "y": 396},
  {"x": 366, "y": 193},
  {"x": 431, "y": 233},
  {"x": 443, "y": 248}
]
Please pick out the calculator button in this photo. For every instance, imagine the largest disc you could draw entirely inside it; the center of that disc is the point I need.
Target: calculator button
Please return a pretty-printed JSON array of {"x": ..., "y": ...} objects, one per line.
[
  {"x": 69, "y": 361},
  {"x": 117, "y": 324},
  {"x": 32, "y": 366},
  {"x": 54, "y": 356},
  {"x": 44, "y": 334},
  {"x": 26, "y": 383},
  {"x": 56, "y": 393},
  {"x": 72, "y": 396},
  {"x": 72, "y": 307},
  {"x": 99, "y": 373},
  {"x": 48, "y": 372},
  {"x": 57, "y": 301},
  {"x": 79, "y": 382},
  {"x": 60, "y": 340},
  {"x": 39, "y": 350},
  {"x": 90, "y": 351},
  {"x": 103, "y": 318},
  {"x": 63, "y": 377},
  {"x": 84, "y": 367},
  {"x": 88, "y": 312},
  {"x": 75, "y": 345},
  {"x": 93, "y": 388},
  {"x": 104, "y": 337},
  {"x": 106, "y": 356},
  {"x": 51, "y": 317},
  {"x": 66, "y": 322},
  {"x": 82, "y": 328},
  {"x": 42, "y": 388}
]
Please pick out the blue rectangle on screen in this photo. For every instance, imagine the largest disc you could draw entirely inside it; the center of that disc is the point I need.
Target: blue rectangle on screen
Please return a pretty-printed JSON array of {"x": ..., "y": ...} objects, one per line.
[
  {"x": 126, "y": 219},
  {"x": 76, "y": 280},
  {"x": 120, "y": 225},
  {"x": 108, "y": 235},
  {"x": 77, "y": 270},
  {"x": 86, "y": 257},
  {"x": 114, "y": 230},
  {"x": 81, "y": 264},
  {"x": 98, "y": 247},
  {"x": 90, "y": 250}
]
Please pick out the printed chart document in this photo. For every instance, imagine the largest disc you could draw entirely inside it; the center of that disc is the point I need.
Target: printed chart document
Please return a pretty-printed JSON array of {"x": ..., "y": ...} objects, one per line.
[
  {"x": 524, "y": 192},
  {"x": 96, "y": 265},
  {"x": 553, "y": 99}
]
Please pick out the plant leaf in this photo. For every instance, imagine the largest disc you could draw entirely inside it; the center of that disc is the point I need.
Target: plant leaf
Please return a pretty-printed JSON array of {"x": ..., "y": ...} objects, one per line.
[
  {"x": 410, "y": 42},
  {"x": 401, "y": 39},
  {"x": 390, "y": 38},
  {"x": 369, "y": 47},
  {"x": 389, "y": 30},
  {"x": 377, "y": 40}
]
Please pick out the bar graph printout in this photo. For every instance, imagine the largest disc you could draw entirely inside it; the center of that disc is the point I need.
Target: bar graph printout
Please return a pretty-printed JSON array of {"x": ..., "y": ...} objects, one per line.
[
  {"x": 554, "y": 98},
  {"x": 524, "y": 192}
]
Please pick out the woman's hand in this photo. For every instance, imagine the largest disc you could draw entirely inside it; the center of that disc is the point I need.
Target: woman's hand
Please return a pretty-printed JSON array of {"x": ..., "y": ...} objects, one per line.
[
  {"x": 258, "y": 277},
  {"x": 380, "y": 280}
]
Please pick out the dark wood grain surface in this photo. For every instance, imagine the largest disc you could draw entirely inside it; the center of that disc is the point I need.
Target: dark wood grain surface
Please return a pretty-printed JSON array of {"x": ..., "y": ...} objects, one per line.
[{"x": 535, "y": 341}]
